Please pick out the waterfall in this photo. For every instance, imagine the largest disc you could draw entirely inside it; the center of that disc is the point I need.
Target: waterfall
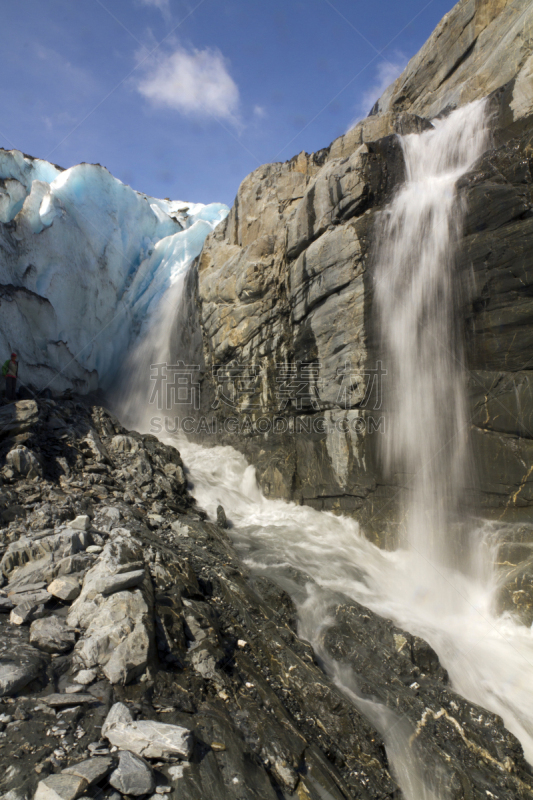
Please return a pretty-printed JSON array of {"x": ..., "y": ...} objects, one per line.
[{"x": 417, "y": 297}]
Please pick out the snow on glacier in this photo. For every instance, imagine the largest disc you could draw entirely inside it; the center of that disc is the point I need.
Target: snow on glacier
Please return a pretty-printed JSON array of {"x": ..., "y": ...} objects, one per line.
[{"x": 84, "y": 260}]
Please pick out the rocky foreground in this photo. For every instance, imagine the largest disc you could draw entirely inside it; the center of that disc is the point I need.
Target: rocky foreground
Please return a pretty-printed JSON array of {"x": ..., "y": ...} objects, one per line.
[{"x": 138, "y": 658}]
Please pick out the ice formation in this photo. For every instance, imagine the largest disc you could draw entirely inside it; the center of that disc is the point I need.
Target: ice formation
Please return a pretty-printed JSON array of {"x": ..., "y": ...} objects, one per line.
[{"x": 83, "y": 261}]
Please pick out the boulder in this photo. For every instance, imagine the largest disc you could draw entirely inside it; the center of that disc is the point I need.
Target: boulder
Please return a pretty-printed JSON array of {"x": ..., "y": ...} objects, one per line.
[
  {"x": 81, "y": 523},
  {"x": 66, "y": 589},
  {"x": 133, "y": 776},
  {"x": 26, "y": 611},
  {"x": 118, "y": 628},
  {"x": 60, "y": 787},
  {"x": 52, "y": 635},
  {"x": 86, "y": 676},
  {"x": 24, "y": 462},
  {"x": 119, "y": 714},
  {"x": 92, "y": 770},
  {"x": 20, "y": 663},
  {"x": 152, "y": 739}
]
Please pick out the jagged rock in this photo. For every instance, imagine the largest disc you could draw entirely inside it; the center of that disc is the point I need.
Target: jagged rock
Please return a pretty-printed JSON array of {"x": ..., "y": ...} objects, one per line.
[
  {"x": 120, "y": 582},
  {"x": 119, "y": 714},
  {"x": 66, "y": 589},
  {"x": 26, "y": 611},
  {"x": 152, "y": 739},
  {"x": 119, "y": 628},
  {"x": 133, "y": 776},
  {"x": 92, "y": 770},
  {"x": 86, "y": 676},
  {"x": 52, "y": 635},
  {"x": 124, "y": 444},
  {"x": 54, "y": 547},
  {"x": 221, "y": 517},
  {"x": 35, "y": 597},
  {"x": 475, "y": 49},
  {"x": 24, "y": 462},
  {"x": 66, "y": 787},
  {"x": 81, "y": 523},
  {"x": 18, "y": 418}
]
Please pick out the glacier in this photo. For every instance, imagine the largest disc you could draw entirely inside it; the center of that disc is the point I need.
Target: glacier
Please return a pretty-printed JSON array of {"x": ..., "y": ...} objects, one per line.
[{"x": 84, "y": 261}]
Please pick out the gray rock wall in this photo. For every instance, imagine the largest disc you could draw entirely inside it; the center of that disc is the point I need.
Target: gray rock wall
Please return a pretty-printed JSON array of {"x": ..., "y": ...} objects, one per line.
[{"x": 280, "y": 304}]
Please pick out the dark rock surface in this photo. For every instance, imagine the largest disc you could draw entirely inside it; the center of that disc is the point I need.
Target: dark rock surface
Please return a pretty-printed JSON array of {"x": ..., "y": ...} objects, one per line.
[{"x": 198, "y": 668}]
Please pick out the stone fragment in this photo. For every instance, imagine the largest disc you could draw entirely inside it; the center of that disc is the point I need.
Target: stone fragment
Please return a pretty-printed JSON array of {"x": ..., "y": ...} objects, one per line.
[
  {"x": 118, "y": 714},
  {"x": 86, "y": 676},
  {"x": 26, "y": 612},
  {"x": 36, "y": 597},
  {"x": 94, "y": 548},
  {"x": 60, "y": 787},
  {"x": 81, "y": 523},
  {"x": 92, "y": 769},
  {"x": 64, "y": 700},
  {"x": 120, "y": 582},
  {"x": 133, "y": 776},
  {"x": 52, "y": 635},
  {"x": 66, "y": 589},
  {"x": 25, "y": 587},
  {"x": 152, "y": 739}
]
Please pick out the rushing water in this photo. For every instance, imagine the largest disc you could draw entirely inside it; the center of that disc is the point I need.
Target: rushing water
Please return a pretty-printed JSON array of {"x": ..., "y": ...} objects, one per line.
[{"x": 419, "y": 586}]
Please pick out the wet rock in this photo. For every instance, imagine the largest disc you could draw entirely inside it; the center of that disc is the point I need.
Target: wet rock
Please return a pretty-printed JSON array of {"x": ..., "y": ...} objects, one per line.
[
  {"x": 152, "y": 739},
  {"x": 52, "y": 635},
  {"x": 221, "y": 517},
  {"x": 133, "y": 776}
]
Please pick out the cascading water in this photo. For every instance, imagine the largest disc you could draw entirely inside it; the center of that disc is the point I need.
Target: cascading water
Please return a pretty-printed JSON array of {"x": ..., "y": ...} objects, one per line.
[
  {"x": 489, "y": 659},
  {"x": 416, "y": 294}
]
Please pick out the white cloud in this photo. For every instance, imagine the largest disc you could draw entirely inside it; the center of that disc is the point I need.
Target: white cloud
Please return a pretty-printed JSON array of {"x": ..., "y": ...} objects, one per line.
[
  {"x": 195, "y": 83},
  {"x": 386, "y": 73},
  {"x": 259, "y": 112}
]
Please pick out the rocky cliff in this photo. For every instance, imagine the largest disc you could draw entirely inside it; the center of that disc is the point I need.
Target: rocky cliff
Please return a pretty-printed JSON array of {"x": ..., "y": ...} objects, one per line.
[{"x": 279, "y": 306}]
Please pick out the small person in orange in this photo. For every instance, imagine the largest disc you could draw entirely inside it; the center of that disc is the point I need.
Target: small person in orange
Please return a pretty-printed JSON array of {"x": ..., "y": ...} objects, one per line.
[{"x": 10, "y": 370}]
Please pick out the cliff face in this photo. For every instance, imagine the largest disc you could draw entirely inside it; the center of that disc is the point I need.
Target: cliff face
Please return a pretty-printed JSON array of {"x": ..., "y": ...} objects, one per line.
[{"x": 280, "y": 305}]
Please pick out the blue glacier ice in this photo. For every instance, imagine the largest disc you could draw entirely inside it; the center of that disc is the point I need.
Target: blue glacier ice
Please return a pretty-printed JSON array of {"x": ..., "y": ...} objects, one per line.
[{"x": 84, "y": 260}]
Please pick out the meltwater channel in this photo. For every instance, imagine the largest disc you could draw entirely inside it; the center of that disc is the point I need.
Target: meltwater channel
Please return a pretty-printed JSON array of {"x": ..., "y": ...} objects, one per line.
[{"x": 420, "y": 586}]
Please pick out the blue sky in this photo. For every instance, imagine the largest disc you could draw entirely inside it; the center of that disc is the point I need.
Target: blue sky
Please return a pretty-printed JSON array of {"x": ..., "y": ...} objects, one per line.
[{"x": 183, "y": 98}]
